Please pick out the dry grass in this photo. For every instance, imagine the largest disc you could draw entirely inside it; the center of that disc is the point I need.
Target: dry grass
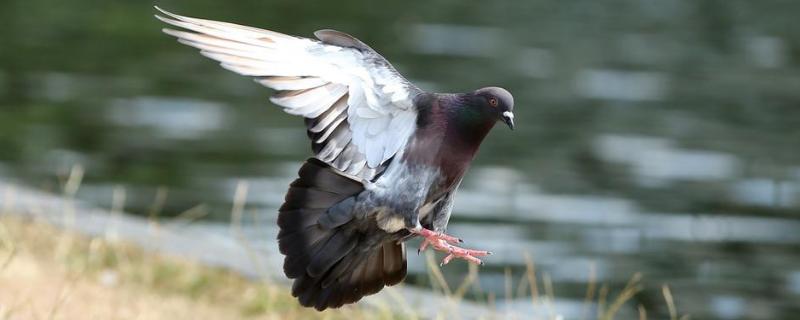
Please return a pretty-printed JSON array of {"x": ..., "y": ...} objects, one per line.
[
  {"x": 46, "y": 273},
  {"x": 50, "y": 273}
]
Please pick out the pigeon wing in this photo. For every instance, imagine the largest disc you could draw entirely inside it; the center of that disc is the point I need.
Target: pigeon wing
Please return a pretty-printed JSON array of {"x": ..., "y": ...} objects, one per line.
[{"x": 359, "y": 110}]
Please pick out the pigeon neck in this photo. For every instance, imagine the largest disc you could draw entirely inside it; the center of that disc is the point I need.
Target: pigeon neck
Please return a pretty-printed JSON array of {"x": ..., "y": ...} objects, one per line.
[
  {"x": 468, "y": 122},
  {"x": 456, "y": 117},
  {"x": 448, "y": 134}
]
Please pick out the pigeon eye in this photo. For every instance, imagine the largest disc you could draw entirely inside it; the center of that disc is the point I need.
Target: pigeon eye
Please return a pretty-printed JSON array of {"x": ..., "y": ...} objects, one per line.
[{"x": 493, "y": 102}]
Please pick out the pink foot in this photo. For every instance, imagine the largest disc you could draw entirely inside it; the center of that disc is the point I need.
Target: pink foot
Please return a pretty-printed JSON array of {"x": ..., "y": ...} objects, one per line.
[{"x": 441, "y": 242}]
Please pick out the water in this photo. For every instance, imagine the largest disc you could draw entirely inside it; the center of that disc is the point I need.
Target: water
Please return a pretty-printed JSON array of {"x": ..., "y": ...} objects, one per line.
[{"x": 652, "y": 136}]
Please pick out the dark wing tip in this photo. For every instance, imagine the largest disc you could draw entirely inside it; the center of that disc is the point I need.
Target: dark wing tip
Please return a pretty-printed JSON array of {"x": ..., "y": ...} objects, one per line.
[{"x": 341, "y": 39}]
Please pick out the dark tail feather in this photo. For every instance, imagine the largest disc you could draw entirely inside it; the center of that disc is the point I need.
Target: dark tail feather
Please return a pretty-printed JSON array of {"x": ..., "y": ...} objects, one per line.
[{"x": 336, "y": 266}]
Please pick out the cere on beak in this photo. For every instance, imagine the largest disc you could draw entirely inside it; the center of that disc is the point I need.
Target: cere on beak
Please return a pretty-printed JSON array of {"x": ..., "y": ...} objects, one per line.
[{"x": 508, "y": 118}]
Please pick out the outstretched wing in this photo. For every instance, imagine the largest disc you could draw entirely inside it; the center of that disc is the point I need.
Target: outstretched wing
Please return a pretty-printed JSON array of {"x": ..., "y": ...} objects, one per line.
[{"x": 359, "y": 110}]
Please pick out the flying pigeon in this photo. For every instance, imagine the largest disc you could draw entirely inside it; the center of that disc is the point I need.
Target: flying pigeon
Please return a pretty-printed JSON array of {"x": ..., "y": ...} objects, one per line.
[{"x": 388, "y": 157}]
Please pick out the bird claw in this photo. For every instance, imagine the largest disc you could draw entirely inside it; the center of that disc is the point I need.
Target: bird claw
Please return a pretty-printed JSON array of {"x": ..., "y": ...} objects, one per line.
[
  {"x": 431, "y": 236},
  {"x": 466, "y": 254},
  {"x": 441, "y": 242}
]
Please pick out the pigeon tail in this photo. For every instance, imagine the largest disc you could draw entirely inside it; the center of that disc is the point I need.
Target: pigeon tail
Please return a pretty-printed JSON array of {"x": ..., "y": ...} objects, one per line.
[{"x": 332, "y": 262}]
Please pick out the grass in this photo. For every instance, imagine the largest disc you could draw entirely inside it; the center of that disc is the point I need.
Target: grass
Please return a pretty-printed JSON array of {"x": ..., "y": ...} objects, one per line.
[
  {"x": 52, "y": 273},
  {"x": 47, "y": 273}
]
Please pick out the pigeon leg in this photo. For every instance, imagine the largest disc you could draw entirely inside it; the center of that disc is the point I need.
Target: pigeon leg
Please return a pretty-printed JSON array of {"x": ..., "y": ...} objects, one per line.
[
  {"x": 441, "y": 242},
  {"x": 431, "y": 235}
]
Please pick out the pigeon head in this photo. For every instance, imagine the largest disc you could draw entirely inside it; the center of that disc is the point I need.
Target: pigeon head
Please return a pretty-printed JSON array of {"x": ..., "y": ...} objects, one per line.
[{"x": 499, "y": 102}]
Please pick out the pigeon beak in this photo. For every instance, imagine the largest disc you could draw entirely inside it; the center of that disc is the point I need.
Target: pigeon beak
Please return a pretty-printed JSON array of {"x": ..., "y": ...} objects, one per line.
[{"x": 508, "y": 118}]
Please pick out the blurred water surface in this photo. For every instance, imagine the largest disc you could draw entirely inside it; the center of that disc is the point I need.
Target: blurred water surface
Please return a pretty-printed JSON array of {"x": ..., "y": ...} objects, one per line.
[{"x": 653, "y": 136}]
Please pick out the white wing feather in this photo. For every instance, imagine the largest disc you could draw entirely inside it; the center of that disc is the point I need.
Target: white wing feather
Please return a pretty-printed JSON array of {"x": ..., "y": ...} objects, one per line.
[{"x": 324, "y": 82}]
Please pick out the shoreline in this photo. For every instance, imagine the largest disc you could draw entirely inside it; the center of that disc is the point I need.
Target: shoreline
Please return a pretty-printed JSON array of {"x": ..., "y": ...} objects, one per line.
[{"x": 229, "y": 251}]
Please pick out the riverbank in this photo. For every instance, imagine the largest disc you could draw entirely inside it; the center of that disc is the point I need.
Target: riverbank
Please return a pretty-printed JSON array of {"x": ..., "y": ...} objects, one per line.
[
  {"x": 198, "y": 263},
  {"x": 50, "y": 273},
  {"x": 64, "y": 259}
]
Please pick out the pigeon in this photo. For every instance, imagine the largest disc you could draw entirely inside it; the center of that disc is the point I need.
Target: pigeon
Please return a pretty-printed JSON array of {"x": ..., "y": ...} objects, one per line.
[{"x": 387, "y": 160}]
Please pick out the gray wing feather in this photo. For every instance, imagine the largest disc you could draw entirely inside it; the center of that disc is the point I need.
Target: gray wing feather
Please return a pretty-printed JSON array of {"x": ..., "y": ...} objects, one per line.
[{"x": 341, "y": 39}]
